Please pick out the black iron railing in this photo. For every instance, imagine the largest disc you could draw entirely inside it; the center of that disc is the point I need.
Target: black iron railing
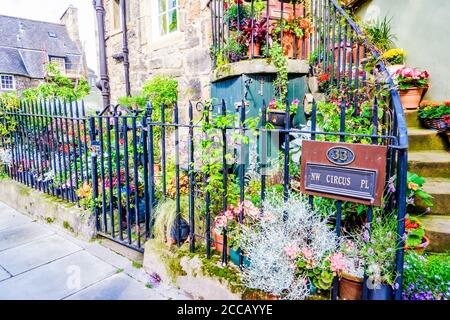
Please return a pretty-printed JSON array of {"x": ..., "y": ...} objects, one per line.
[{"x": 48, "y": 146}]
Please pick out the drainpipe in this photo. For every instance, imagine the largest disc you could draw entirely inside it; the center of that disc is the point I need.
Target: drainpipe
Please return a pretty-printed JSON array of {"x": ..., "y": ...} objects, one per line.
[
  {"x": 126, "y": 63},
  {"x": 103, "y": 83}
]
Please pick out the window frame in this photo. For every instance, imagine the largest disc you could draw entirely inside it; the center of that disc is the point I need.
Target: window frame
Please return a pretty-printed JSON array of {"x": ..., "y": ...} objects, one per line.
[
  {"x": 57, "y": 65},
  {"x": 13, "y": 82},
  {"x": 158, "y": 13}
]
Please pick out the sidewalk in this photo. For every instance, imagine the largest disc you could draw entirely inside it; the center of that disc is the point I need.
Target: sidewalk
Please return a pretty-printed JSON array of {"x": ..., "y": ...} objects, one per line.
[{"x": 39, "y": 262}]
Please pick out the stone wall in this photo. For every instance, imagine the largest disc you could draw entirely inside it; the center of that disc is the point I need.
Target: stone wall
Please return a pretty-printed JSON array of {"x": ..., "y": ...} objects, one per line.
[
  {"x": 183, "y": 54},
  {"x": 23, "y": 83}
]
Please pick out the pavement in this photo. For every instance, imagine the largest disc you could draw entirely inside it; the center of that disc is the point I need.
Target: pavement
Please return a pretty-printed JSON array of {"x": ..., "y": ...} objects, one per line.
[{"x": 40, "y": 262}]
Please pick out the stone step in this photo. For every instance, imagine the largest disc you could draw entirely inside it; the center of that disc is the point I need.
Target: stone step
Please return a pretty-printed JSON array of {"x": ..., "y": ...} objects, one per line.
[
  {"x": 411, "y": 119},
  {"x": 433, "y": 164},
  {"x": 425, "y": 139},
  {"x": 439, "y": 188},
  {"x": 437, "y": 229}
]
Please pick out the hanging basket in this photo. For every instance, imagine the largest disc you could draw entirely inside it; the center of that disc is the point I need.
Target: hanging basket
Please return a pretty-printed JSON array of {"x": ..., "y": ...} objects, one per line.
[{"x": 432, "y": 123}]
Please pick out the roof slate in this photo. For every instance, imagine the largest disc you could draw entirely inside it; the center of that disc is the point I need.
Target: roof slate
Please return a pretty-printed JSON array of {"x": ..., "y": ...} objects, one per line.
[{"x": 26, "y": 43}]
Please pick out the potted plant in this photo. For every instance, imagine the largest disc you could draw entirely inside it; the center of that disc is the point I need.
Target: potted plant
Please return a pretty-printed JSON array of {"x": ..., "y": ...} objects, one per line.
[
  {"x": 293, "y": 29},
  {"x": 411, "y": 84},
  {"x": 433, "y": 114},
  {"x": 276, "y": 112},
  {"x": 415, "y": 235},
  {"x": 225, "y": 221},
  {"x": 378, "y": 242},
  {"x": 379, "y": 33},
  {"x": 352, "y": 275},
  {"x": 251, "y": 215},
  {"x": 396, "y": 58},
  {"x": 165, "y": 225},
  {"x": 235, "y": 13},
  {"x": 253, "y": 34}
]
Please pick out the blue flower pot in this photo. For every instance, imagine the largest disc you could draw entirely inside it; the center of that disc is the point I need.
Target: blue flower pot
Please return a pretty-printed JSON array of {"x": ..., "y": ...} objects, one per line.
[
  {"x": 141, "y": 213},
  {"x": 184, "y": 231},
  {"x": 383, "y": 293},
  {"x": 234, "y": 255}
]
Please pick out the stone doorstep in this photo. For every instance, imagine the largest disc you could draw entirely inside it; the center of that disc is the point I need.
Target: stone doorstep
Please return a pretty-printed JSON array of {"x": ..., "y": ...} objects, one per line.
[
  {"x": 439, "y": 188},
  {"x": 66, "y": 217},
  {"x": 437, "y": 229},
  {"x": 425, "y": 139},
  {"x": 433, "y": 164},
  {"x": 411, "y": 119}
]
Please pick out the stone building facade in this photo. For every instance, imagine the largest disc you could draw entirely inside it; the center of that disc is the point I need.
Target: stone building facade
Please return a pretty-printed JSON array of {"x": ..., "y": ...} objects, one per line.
[{"x": 157, "y": 45}]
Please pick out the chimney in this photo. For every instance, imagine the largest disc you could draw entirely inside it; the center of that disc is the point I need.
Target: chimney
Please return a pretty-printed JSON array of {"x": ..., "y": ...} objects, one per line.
[{"x": 70, "y": 20}]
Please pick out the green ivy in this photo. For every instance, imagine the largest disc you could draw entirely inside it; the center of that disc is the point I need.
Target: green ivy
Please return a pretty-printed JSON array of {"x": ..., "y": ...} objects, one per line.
[{"x": 57, "y": 86}]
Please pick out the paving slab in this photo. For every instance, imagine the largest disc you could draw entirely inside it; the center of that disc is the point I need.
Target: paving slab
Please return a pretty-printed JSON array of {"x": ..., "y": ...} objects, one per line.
[
  {"x": 29, "y": 256},
  {"x": 58, "y": 279},
  {"x": 10, "y": 218},
  {"x": 3, "y": 274},
  {"x": 117, "y": 287},
  {"x": 16, "y": 236}
]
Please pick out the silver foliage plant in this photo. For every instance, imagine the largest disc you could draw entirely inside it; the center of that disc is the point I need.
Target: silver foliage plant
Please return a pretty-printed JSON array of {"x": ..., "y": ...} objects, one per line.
[{"x": 283, "y": 225}]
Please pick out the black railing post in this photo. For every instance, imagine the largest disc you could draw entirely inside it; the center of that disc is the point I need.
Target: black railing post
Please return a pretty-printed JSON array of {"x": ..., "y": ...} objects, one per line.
[
  {"x": 402, "y": 167},
  {"x": 151, "y": 167},
  {"x": 177, "y": 173},
  {"x": 93, "y": 136},
  {"x": 242, "y": 172},
  {"x": 191, "y": 169},
  {"x": 224, "y": 182}
]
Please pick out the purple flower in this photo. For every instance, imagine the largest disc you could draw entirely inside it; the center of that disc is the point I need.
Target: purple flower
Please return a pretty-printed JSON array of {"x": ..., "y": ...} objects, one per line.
[
  {"x": 366, "y": 236},
  {"x": 378, "y": 220},
  {"x": 370, "y": 251},
  {"x": 391, "y": 186}
]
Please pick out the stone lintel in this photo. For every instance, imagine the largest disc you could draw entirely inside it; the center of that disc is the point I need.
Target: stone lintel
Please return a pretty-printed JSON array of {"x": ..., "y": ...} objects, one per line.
[{"x": 256, "y": 66}]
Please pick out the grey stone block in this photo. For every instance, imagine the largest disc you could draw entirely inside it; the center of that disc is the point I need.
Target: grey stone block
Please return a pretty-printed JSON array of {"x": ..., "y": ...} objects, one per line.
[
  {"x": 15, "y": 236},
  {"x": 36, "y": 253},
  {"x": 10, "y": 218},
  {"x": 57, "y": 280},
  {"x": 3, "y": 274},
  {"x": 117, "y": 287}
]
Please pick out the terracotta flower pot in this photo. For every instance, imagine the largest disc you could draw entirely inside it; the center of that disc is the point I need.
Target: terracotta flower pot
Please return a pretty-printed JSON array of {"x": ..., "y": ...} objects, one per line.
[
  {"x": 256, "y": 50},
  {"x": 410, "y": 98},
  {"x": 218, "y": 243},
  {"x": 288, "y": 44},
  {"x": 339, "y": 53},
  {"x": 302, "y": 52},
  {"x": 360, "y": 53},
  {"x": 350, "y": 287},
  {"x": 421, "y": 247}
]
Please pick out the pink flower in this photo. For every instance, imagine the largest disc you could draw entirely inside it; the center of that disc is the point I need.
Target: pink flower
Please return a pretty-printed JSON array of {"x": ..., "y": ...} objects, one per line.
[
  {"x": 337, "y": 262},
  {"x": 220, "y": 223},
  {"x": 291, "y": 252},
  {"x": 229, "y": 214},
  {"x": 249, "y": 209},
  {"x": 424, "y": 75},
  {"x": 306, "y": 253}
]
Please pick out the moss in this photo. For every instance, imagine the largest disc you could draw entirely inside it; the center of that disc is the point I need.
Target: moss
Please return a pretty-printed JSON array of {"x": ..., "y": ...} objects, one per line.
[
  {"x": 49, "y": 220},
  {"x": 170, "y": 258},
  {"x": 119, "y": 270},
  {"x": 67, "y": 226},
  {"x": 137, "y": 264},
  {"x": 24, "y": 191}
]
